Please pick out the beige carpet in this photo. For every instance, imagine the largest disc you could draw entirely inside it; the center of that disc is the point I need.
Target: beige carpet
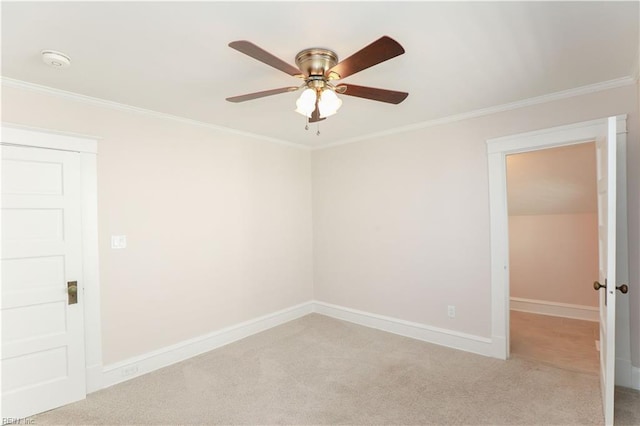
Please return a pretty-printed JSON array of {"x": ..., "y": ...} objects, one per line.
[
  {"x": 318, "y": 370},
  {"x": 627, "y": 407}
]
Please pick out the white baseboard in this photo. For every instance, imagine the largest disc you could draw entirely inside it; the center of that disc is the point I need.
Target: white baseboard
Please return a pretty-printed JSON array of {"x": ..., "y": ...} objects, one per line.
[
  {"x": 94, "y": 378},
  {"x": 626, "y": 374},
  {"x": 565, "y": 310},
  {"x": 99, "y": 378},
  {"x": 146, "y": 363},
  {"x": 635, "y": 378},
  {"x": 439, "y": 336},
  {"x": 623, "y": 373}
]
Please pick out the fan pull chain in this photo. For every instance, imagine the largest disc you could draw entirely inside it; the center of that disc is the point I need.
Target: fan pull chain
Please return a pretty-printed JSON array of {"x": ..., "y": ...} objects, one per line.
[{"x": 306, "y": 127}]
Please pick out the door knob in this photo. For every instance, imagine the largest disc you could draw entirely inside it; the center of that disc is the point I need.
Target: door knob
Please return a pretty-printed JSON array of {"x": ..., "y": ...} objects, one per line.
[
  {"x": 72, "y": 291},
  {"x": 623, "y": 288}
]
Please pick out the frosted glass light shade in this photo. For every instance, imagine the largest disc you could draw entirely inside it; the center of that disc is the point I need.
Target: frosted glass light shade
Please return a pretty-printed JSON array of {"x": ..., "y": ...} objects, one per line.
[
  {"x": 329, "y": 103},
  {"x": 306, "y": 103}
]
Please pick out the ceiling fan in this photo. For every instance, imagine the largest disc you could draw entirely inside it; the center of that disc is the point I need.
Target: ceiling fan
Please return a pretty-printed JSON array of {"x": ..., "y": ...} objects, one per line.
[{"x": 318, "y": 67}]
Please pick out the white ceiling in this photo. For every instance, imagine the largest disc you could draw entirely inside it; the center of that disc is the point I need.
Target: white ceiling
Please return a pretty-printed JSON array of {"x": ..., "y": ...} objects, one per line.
[
  {"x": 172, "y": 57},
  {"x": 553, "y": 181}
]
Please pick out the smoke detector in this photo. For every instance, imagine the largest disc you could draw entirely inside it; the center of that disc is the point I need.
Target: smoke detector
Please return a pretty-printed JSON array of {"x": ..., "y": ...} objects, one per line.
[{"x": 55, "y": 59}]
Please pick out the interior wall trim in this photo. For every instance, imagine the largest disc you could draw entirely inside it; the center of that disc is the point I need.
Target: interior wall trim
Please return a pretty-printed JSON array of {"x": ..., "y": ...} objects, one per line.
[
  {"x": 627, "y": 375},
  {"x": 555, "y": 309},
  {"x": 16, "y": 134},
  {"x": 564, "y": 94},
  {"x": 139, "y": 365},
  {"x": 439, "y": 336},
  {"x": 146, "y": 363},
  {"x": 87, "y": 149},
  {"x": 497, "y": 150},
  {"x": 635, "y": 73},
  {"x": 578, "y": 91},
  {"x": 10, "y": 82}
]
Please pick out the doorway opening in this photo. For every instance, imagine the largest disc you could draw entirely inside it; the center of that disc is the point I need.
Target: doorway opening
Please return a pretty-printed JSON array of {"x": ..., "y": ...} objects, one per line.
[
  {"x": 553, "y": 256},
  {"x": 609, "y": 135},
  {"x": 51, "y": 294}
]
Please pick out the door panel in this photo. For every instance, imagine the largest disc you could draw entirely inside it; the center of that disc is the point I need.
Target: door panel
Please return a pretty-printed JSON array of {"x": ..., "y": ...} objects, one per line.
[
  {"x": 32, "y": 224},
  {"x": 29, "y": 274},
  {"x": 606, "y": 157},
  {"x": 25, "y": 323},
  {"x": 32, "y": 177},
  {"x": 34, "y": 369},
  {"x": 42, "y": 335}
]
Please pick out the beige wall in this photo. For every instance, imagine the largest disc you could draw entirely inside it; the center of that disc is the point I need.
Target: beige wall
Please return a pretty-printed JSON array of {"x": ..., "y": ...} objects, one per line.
[
  {"x": 554, "y": 258},
  {"x": 218, "y": 225},
  {"x": 401, "y": 222}
]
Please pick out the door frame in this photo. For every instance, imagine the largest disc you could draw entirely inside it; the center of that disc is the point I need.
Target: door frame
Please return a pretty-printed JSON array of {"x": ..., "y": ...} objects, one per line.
[
  {"x": 87, "y": 147},
  {"x": 497, "y": 150}
]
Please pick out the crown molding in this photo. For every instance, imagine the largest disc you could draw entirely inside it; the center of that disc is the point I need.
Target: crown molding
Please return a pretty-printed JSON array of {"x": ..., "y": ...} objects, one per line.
[
  {"x": 10, "y": 82},
  {"x": 578, "y": 91}
]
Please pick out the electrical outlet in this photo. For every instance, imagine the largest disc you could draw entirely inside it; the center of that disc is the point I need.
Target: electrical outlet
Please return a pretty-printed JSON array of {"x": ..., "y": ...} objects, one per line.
[
  {"x": 451, "y": 311},
  {"x": 129, "y": 371}
]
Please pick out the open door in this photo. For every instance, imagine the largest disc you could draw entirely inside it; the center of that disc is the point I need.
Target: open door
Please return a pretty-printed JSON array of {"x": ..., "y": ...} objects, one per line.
[
  {"x": 610, "y": 153},
  {"x": 606, "y": 154}
]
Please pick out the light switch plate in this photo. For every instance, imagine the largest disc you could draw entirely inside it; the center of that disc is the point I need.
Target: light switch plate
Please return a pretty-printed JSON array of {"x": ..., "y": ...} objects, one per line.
[{"x": 118, "y": 241}]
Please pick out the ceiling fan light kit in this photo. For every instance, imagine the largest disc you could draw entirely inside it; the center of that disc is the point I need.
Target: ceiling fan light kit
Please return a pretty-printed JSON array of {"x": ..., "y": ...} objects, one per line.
[
  {"x": 318, "y": 67},
  {"x": 306, "y": 103},
  {"x": 328, "y": 103}
]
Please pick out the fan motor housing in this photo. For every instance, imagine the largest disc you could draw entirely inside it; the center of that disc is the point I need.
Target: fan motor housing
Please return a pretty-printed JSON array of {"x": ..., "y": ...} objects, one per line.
[{"x": 316, "y": 61}]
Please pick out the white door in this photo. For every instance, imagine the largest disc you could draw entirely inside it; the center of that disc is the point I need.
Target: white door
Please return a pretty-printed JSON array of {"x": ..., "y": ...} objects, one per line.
[
  {"x": 606, "y": 174},
  {"x": 43, "y": 364}
]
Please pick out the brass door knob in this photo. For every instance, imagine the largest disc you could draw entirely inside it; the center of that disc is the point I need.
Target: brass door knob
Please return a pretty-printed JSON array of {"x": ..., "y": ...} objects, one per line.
[
  {"x": 624, "y": 289},
  {"x": 72, "y": 292}
]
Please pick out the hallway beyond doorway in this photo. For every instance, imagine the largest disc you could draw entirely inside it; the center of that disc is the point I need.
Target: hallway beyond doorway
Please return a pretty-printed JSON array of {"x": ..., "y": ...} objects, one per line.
[{"x": 561, "y": 342}]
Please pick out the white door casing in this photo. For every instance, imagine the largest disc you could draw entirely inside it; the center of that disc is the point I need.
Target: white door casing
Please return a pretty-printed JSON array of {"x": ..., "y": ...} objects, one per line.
[
  {"x": 596, "y": 130},
  {"x": 49, "y": 237}
]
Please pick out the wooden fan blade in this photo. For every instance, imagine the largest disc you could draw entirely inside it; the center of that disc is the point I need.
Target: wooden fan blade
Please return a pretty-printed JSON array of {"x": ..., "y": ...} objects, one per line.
[
  {"x": 379, "y": 51},
  {"x": 263, "y": 56},
  {"x": 257, "y": 95},
  {"x": 382, "y": 95},
  {"x": 315, "y": 115}
]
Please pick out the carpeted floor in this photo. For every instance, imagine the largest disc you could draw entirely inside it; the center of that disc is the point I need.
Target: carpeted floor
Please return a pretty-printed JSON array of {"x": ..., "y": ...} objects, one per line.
[{"x": 318, "y": 370}]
